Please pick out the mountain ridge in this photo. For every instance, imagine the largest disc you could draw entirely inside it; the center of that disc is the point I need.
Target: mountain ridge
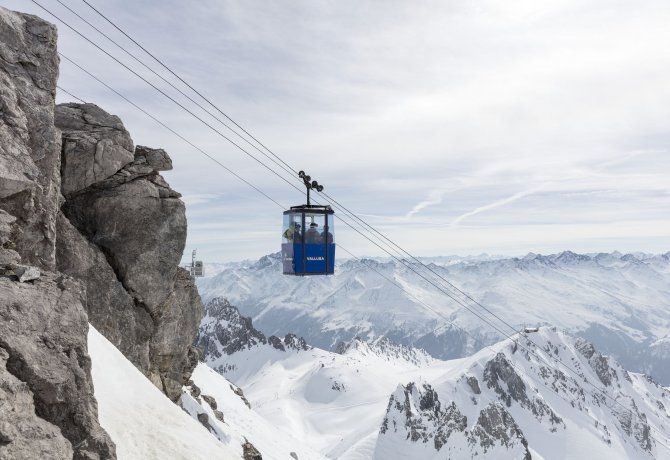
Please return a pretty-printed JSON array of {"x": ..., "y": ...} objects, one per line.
[{"x": 614, "y": 300}]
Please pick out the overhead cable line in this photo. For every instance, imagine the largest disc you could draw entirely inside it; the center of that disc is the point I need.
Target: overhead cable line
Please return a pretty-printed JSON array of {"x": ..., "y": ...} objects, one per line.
[
  {"x": 70, "y": 94},
  {"x": 356, "y": 217},
  {"x": 231, "y": 141}
]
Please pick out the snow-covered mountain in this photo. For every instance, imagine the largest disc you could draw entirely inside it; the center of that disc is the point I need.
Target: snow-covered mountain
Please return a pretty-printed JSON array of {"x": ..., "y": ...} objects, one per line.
[
  {"x": 386, "y": 401},
  {"x": 505, "y": 402},
  {"x": 619, "y": 302}
]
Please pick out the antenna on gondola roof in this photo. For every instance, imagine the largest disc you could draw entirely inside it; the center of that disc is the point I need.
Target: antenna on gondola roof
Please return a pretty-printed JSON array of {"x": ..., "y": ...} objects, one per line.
[{"x": 309, "y": 185}]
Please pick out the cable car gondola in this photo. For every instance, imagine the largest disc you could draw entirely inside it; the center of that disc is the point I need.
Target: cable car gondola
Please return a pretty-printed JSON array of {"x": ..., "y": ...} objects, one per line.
[{"x": 308, "y": 236}]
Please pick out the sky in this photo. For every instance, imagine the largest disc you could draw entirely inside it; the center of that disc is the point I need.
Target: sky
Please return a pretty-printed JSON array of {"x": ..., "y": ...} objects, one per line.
[{"x": 453, "y": 127}]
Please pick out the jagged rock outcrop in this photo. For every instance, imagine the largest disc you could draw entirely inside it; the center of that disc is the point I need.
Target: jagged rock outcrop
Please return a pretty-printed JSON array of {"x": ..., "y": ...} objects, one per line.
[
  {"x": 249, "y": 452},
  {"x": 419, "y": 413},
  {"x": 496, "y": 427},
  {"x": 47, "y": 405},
  {"x": 123, "y": 232},
  {"x": 114, "y": 311},
  {"x": 424, "y": 417},
  {"x": 517, "y": 402},
  {"x": 501, "y": 376},
  {"x": 597, "y": 361}
]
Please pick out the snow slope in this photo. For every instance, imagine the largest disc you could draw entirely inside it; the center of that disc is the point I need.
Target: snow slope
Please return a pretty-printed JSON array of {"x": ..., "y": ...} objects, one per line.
[
  {"x": 619, "y": 302},
  {"x": 142, "y": 421},
  {"x": 240, "y": 423},
  {"x": 328, "y": 401}
]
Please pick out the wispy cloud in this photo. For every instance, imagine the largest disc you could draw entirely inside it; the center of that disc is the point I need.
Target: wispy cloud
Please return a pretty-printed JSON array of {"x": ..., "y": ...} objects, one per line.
[
  {"x": 496, "y": 204},
  {"x": 434, "y": 198}
]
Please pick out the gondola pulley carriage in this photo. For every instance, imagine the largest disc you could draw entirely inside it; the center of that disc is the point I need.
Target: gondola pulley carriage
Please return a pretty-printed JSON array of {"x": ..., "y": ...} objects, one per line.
[{"x": 308, "y": 236}]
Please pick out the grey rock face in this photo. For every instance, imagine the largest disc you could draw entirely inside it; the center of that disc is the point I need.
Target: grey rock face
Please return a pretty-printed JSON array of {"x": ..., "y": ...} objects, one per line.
[
  {"x": 473, "y": 383},
  {"x": 224, "y": 331},
  {"x": 238, "y": 391},
  {"x": 204, "y": 421},
  {"x": 47, "y": 406},
  {"x": 109, "y": 306},
  {"x": 141, "y": 233},
  {"x": 43, "y": 329},
  {"x": 123, "y": 234},
  {"x": 498, "y": 371},
  {"x": 501, "y": 376},
  {"x": 173, "y": 358},
  {"x": 8, "y": 228},
  {"x": 157, "y": 159},
  {"x": 29, "y": 151},
  {"x": 22, "y": 433},
  {"x": 210, "y": 400},
  {"x": 276, "y": 342},
  {"x": 95, "y": 145},
  {"x": 296, "y": 343},
  {"x": 597, "y": 361}
]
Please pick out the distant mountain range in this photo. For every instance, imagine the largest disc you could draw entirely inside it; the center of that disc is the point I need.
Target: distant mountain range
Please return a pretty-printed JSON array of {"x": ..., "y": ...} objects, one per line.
[
  {"x": 617, "y": 301},
  {"x": 381, "y": 400}
]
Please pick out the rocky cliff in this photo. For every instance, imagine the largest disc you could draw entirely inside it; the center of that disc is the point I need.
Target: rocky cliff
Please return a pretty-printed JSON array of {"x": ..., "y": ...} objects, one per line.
[
  {"x": 122, "y": 232},
  {"x": 89, "y": 232}
]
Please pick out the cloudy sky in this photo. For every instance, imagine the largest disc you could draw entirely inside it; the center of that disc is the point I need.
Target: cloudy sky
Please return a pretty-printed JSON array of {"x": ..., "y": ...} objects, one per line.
[{"x": 454, "y": 127}]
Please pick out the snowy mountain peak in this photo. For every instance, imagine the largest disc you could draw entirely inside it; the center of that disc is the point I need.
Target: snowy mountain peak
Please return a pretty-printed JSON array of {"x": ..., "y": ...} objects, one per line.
[
  {"x": 269, "y": 260},
  {"x": 510, "y": 400},
  {"x": 223, "y": 330},
  {"x": 385, "y": 348}
]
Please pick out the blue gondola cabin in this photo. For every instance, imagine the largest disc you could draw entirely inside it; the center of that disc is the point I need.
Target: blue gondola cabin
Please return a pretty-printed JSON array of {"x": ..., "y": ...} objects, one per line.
[{"x": 308, "y": 241}]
